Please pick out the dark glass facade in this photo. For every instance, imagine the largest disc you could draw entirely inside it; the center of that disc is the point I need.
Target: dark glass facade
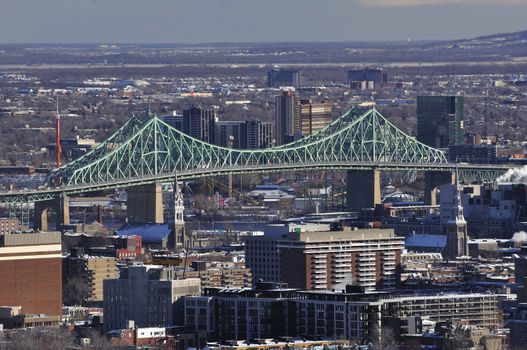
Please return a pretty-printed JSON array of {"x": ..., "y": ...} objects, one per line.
[{"x": 440, "y": 120}]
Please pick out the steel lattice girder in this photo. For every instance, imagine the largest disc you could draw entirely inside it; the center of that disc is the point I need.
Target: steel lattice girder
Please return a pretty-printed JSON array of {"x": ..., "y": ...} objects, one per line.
[
  {"x": 146, "y": 150},
  {"x": 475, "y": 175},
  {"x": 119, "y": 137},
  {"x": 156, "y": 149},
  {"x": 468, "y": 174}
]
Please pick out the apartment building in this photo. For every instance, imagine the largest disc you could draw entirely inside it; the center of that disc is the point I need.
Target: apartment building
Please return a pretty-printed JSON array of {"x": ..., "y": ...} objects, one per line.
[
  {"x": 8, "y": 225},
  {"x": 240, "y": 313},
  {"x": 271, "y": 311},
  {"x": 476, "y": 309},
  {"x": 233, "y": 276},
  {"x": 327, "y": 259},
  {"x": 287, "y": 118},
  {"x": 314, "y": 116},
  {"x": 92, "y": 269}
]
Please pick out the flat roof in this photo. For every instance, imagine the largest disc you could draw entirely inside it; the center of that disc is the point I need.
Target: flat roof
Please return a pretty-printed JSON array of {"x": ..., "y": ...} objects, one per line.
[{"x": 25, "y": 239}]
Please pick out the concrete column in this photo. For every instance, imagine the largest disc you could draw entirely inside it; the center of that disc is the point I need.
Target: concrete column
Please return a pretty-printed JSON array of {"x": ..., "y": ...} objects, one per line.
[
  {"x": 99, "y": 213},
  {"x": 434, "y": 179},
  {"x": 60, "y": 204},
  {"x": 364, "y": 189},
  {"x": 145, "y": 204},
  {"x": 62, "y": 207},
  {"x": 40, "y": 217}
]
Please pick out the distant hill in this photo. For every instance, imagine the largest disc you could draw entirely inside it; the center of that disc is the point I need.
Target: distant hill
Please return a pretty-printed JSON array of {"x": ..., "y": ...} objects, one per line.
[
  {"x": 487, "y": 41},
  {"x": 499, "y": 48},
  {"x": 515, "y": 36}
]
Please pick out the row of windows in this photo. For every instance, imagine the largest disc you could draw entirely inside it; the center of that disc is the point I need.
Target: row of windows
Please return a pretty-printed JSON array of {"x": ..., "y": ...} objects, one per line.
[
  {"x": 193, "y": 302},
  {"x": 259, "y": 253}
]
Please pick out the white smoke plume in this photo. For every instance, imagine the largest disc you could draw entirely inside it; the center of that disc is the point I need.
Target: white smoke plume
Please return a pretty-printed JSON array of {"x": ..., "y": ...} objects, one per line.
[
  {"x": 517, "y": 175},
  {"x": 519, "y": 237}
]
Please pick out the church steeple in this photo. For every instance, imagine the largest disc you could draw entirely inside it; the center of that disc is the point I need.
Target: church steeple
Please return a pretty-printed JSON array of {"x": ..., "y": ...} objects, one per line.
[
  {"x": 177, "y": 214},
  {"x": 457, "y": 215},
  {"x": 456, "y": 226}
]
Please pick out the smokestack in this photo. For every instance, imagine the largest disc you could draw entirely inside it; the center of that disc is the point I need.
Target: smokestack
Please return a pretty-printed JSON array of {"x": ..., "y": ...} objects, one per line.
[{"x": 57, "y": 134}]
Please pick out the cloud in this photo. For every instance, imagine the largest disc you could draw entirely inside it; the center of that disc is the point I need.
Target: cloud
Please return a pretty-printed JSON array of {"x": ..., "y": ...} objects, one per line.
[{"x": 402, "y": 3}]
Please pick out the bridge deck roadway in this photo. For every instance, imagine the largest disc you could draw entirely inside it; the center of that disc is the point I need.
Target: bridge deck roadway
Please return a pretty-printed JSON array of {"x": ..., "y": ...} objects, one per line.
[{"x": 30, "y": 196}]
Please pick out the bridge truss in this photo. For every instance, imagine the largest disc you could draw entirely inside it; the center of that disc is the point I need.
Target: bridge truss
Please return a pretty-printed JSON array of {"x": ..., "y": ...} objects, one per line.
[
  {"x": 155, "y": 149},
  {"x": 147, "y": 150}
]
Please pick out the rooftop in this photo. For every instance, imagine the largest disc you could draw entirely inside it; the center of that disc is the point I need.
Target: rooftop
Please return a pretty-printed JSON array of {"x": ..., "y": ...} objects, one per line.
[
  {"x": 347, "y": 234},
  {"x": 25, "y": 239},
  {"x": 150, "y": 233},
  {"x": 430, "y": 241}
]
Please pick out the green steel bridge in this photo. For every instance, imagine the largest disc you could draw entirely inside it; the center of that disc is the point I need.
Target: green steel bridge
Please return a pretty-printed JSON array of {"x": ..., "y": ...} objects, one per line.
[{"x": 147, "y": 150}]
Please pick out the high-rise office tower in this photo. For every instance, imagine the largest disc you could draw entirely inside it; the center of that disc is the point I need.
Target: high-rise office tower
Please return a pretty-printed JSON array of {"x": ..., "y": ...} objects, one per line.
[
  {"x": 314, "y": 116},
  {"x": 174, "y": 120},
  {"x": 287, "y": 117},
  {"x": 258, "y": 134},
  {"x": 440, "y": 120},
  {"x": 283, "y": 77},
  {"x": 231, "y": 134},
  {"x": 199, "y": 123}
]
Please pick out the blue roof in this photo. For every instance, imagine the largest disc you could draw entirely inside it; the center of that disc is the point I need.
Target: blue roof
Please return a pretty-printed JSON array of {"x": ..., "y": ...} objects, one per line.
[
  {"x": 430, "y": 241},
  {"x": 150, "y": 233}
]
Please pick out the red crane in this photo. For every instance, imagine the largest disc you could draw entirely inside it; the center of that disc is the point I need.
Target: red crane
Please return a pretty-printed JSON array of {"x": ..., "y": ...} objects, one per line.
[{"x": 57, "y": 134}]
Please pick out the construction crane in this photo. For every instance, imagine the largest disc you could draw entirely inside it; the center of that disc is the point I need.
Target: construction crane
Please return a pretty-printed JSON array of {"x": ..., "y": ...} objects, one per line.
[{"x": 57, "y": 134}]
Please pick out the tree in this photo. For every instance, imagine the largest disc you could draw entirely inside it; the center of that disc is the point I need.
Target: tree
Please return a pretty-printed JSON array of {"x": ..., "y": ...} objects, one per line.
[
  {"x": 42, "y": 339},
  {"x": 383, "y": 338},
  {"x": 98, "y": 341},
  {"x": 76, "y": 291}
]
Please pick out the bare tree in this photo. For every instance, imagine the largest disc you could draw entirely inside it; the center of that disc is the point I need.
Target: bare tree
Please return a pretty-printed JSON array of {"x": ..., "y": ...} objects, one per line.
[
  {"x": 76, "y": 291},
  {"x": 383, "y": 338},
  {"x": 98, "y": 341},
  {"x": 41, "y": 339}
]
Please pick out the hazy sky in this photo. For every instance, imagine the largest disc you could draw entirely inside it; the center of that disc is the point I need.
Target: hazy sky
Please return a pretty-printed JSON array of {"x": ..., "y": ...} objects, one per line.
[{"x": 184, "y": 21}]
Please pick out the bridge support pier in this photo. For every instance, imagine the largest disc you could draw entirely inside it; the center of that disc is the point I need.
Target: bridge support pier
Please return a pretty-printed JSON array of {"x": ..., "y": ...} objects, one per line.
[
  {"x": 99, "y": 214},
  {"x": 61, "y": 205},
  {"x": 145, "y": 204},
  {"x": 40, "y": 218},
  {"x": 364, "y": 189},
  {"x": 434, "y": 179}
]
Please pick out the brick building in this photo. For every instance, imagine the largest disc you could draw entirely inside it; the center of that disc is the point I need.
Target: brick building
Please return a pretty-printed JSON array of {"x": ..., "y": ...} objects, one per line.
[
  {"x": 30, "y": 271},
  {"x": 8, "y": 225},
  {"x": 324, "y": 260}
]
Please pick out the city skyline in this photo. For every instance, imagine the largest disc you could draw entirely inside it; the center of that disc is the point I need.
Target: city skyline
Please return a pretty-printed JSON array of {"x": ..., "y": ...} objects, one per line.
[
  {"x": 263, "y": 174},
  {"x": 135, "y": 21}
]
